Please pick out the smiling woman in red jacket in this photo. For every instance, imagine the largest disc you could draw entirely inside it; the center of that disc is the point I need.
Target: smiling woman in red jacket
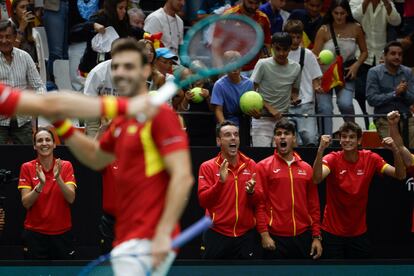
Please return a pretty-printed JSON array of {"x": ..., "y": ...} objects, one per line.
[
  {"x": 227, "y": 189},
  {"x": 291, "y": 198},
  {"x": 47, "y": 186}
]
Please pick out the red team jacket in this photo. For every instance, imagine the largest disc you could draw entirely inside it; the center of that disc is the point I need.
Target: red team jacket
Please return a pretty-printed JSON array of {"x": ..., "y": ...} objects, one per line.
[
  {"x": 231, "y": 208},
  {"x": 410, "y": 172},
  {"x": 50, "y": 214},
  {"x": 291, "y": 198}
]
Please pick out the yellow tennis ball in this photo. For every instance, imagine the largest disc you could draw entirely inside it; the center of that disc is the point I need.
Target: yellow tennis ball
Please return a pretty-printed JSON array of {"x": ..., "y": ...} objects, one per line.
[
  {"x": 326, "y": 57},
  {"x": 250, "y": 101},
  {"x": 197, "y": 98}
]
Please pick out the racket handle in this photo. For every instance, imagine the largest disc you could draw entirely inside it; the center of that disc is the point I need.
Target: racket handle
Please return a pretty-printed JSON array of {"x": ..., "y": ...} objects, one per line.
[
  {"x": 166, "y": 92},
  {"x": 192, "y": 231}
]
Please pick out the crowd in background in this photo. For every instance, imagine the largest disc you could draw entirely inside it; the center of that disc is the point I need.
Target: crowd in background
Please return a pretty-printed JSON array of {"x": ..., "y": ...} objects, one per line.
[{"x": 362, "y": 29}]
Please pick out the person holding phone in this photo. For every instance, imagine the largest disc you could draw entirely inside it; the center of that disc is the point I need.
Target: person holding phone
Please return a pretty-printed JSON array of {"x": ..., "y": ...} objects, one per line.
[{"x": 23, "y": 17}]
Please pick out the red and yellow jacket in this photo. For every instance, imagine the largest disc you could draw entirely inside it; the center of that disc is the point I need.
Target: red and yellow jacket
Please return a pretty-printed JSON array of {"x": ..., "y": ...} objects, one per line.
[
  {"x": 290, "y": 196},
  {"x": 231, "y": 208}
]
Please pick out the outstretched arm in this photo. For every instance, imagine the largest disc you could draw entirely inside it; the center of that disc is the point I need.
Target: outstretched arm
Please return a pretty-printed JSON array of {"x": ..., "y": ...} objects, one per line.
[{"x": 320, "y": 172}]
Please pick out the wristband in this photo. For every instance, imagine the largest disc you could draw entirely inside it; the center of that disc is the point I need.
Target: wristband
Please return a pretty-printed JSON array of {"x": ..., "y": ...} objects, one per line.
[
  {"x": 64, "y": 128},
  {"x": 113, "y": 106}
]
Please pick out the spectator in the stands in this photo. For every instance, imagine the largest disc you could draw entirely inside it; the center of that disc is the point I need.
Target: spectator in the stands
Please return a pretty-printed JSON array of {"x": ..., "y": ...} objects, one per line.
[
  {"x": 310, "y": 83},
  {"x": 113, "y": 14},
  {"x": 17, "y": 69},
  {"x": 167, "y": 21},
  {"x": 250, "y": 8},
  {"x": 349, "y": 36},
  {"x": 23, "y": 17},
  {"x": 277, "y": 16},
  {"x": 213, "y": 7},
  {"x": 374, "y": 16},
  {"x": 276, "y": 78},
  {"x": 227, "y": 92},
  {"x": 164, "y": 61},
  {"x": 56, "y": 22},
  {"x": 98, "y": 83},
  {"x": 200, "y": 127},
  {"x": 408, "y": 46},
  {"x": 311, "y": 19},
  {"x": 156, "y": 79},
  {"x": 136, "y": 18},
  {"x": 408, "y": 19},
  {"x": 390, "y": 86}
]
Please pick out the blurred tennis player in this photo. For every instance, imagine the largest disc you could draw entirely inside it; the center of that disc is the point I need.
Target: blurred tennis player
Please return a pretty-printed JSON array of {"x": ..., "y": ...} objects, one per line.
[{"x": 154, "y": 175}]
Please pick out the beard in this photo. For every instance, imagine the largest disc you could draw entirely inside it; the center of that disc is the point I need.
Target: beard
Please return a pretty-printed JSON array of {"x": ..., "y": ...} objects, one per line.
[{"x": 126, "y": 87}]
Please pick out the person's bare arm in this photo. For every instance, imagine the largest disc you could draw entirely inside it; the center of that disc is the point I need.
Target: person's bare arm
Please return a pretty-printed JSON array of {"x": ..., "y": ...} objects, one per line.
[
  {"x": 178, "y": 165},
  {"x": 320, "y": 39},
  {"x": 398, "y": 171},
  {"x": 69, "y": 105},
  {"x": 88, "y": 151},
  {"x": 218, "y": 111}
]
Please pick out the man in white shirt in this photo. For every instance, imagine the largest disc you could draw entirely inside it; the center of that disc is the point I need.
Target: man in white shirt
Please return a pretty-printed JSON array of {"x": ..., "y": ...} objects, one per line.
[
  {"x": 309, "y": 84},
  {"x": 167, "y": 21},
  {"x": 98, "y": 83},
  {"x": 18, "y": 70},
  {"x": 373, "y": 15}
]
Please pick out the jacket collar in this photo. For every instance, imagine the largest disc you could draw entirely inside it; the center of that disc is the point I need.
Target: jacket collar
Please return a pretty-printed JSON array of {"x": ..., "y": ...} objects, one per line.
[
  {"x": 243, "y": 159},
  {"x": 296, "y": 157}
]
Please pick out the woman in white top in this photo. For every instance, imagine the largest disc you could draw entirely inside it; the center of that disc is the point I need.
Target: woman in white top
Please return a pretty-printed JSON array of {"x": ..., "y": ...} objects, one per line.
[{"x": 349, "y": 36}]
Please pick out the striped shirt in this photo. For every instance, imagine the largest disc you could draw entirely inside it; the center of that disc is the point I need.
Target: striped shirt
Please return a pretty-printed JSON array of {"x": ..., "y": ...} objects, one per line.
[{"x": 21, "y": 74}]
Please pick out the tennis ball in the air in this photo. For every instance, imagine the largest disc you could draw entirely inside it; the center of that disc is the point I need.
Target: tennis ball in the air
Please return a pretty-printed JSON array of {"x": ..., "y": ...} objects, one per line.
[
  {"x": 197, "y": 98},
  {"x": 251, "y": 100},
  {"x": 326, "y": 57}
]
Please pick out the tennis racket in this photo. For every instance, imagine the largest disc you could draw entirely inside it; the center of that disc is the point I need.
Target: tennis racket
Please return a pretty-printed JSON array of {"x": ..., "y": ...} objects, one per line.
[
  {"x": 102, "y": 265},
  {"x": 206, "y": 43}
]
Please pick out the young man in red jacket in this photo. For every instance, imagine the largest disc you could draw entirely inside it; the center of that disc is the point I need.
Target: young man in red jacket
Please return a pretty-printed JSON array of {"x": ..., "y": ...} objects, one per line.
[
  {"x": 348, "y": 176},
  {"x": 227, "y": 190},
  {"x": 291, "y": 199}
]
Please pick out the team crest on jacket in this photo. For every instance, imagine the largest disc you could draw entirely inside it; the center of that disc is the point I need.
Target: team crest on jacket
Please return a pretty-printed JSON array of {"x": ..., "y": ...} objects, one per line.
[
  {"x": 246, "y": 171},
  {"x": 302, "y": 172}
]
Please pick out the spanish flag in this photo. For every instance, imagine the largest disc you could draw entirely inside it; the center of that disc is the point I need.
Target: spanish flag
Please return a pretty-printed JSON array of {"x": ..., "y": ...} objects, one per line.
[
  {"x": 334, "y": 76},
  {"x": 306, "y": 42},
  {"x": 155, "y": 38}
]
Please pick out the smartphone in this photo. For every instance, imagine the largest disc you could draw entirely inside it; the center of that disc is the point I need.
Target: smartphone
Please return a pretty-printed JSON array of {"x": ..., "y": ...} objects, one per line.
[{"x": 30, "y": 8}]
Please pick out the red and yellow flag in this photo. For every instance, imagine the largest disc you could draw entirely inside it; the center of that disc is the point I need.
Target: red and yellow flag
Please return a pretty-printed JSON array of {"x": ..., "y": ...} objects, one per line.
[
  {"x": 334, "y": 76},
  {"x": 155, "y": 38}
]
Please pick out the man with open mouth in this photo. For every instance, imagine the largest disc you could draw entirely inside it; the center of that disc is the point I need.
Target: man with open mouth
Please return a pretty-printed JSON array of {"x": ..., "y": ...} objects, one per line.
[
  {"x": 292, "y": 204},
  {"x": 227, "y": 189}
]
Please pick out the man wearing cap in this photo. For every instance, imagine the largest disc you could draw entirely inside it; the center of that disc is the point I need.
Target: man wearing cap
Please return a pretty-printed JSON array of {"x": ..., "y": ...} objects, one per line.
[
  {"x": 167, "y": 21},
  {"x": 164, "y": 61}
]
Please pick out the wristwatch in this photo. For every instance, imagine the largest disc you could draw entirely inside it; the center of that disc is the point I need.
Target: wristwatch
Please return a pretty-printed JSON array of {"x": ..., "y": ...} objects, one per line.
[{"x": 318, "y": 237}]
